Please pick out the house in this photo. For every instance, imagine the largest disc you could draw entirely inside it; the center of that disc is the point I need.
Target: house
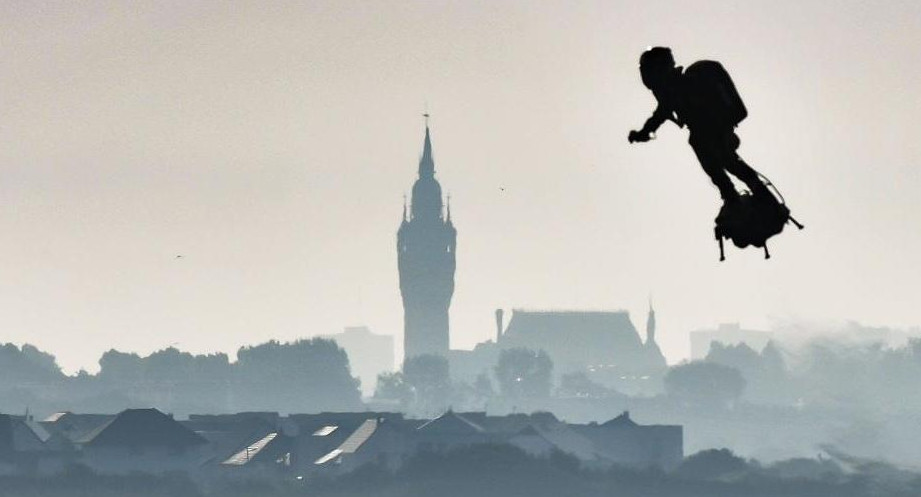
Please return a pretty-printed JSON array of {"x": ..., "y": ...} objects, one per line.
[
  {"x": 26, "y": 445},
  {"x": 543, "y": 439},
  {"x": 626, "y": 443},
  {"x": 243, "y": 444},
  {"x": 448, "y": 431},
  {"x": 369, "y": 354},
  {"x": 336, "y": 443},
  {"x": 71, "y": 427},
  {"x": 267, "y": 445},
  {"x": 142, "y": 440}
]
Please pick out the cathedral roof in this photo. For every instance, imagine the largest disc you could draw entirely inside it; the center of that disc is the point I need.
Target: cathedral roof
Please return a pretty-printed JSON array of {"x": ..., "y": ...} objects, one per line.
[
  {"x": 574, "y": 323},
  {"x": 591, "y": 338}
]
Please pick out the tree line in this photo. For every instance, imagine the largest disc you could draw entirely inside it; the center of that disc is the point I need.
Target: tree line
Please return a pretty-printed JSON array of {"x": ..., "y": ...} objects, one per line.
[{"x": 301, "y": 376}]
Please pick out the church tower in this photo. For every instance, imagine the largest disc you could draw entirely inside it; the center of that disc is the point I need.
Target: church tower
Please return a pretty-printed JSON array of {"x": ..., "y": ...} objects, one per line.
[{"x": 425, "y": 258}]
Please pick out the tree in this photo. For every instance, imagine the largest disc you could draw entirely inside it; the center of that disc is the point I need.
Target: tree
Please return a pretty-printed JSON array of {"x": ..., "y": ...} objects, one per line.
[
  {"x": 765, "y": 373},
  {"x": 302, "y": 376},
  {"x": 773, "y": 360},
  {"x": 429, "y": 378},
  {"x": 712, "y": 464},
  {"x": 483, "y": 389},
  {"x": 27, "y": 365},
  {"x": 120, "y": 367},
  {"x": 524, "y": 373},
  {"x": 739, "y": 356},
  {"x": 579, "y": 385},
  {"x": 704, "y": 383},
  {"x": 393, "y": 387}
]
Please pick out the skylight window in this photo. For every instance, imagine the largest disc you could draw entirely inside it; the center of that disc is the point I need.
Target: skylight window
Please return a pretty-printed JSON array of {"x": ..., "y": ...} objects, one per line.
[{"x": 326, "y": 430}]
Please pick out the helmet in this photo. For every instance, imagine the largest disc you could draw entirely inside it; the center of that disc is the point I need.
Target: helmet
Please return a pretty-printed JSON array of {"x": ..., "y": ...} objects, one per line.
[{"x": 655, "y": 64}]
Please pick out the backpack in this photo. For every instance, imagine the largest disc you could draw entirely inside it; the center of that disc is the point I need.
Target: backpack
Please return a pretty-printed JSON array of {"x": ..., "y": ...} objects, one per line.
[{"x": 713, "y": 96}]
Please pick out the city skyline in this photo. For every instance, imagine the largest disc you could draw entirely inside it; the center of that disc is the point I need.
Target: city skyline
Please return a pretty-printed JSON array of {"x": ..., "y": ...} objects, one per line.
[{"x": 212, "y": 176}]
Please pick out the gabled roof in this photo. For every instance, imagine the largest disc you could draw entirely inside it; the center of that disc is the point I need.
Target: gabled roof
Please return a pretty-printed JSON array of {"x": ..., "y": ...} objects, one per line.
[
  {"x": 528, "y": 431},
  {"x": 359, "y": 437},
  {"x": 222, "y": 429},
  {"x": 311, "y": 448},
  {"x": 571, "y": 323},
  {"x": 510, "y": 423},
  {"x": 622, "y": 421},
  {"x": 453, "y": 423},
  {"x": 37, "y": 429},
  {"x": 345, "y": 421},
  {"x": 231, "y": 422},
  {"x": 351, "y": 444},
  {"x": 73, "y": 427},
  {"x": 531, "y": 441},
  {"x": 250, "y": 452},
  {"x": 22, "y": 434},
  {"x": 599, "y": 338},
  {"x": 142, "y": 428},
  {"x": 568, "y": 440},
  {"x": 544, "y": 437}
]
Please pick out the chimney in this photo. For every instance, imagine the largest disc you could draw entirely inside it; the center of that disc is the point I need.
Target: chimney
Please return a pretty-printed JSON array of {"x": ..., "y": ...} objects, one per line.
[{"x": 499, "y": 314}]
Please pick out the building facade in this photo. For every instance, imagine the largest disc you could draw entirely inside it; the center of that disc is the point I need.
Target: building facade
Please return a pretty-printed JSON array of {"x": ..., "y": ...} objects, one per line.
[
  {"x": 369, "y": 354},
  {"x": 579, "y": 341},
  {"x": 726, "y": 334},
  {"x": 426, "y": 242}
]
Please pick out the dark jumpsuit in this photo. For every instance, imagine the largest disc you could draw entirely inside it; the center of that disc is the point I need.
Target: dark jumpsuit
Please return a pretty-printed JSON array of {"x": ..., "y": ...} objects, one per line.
[{"x": 714, "y": 143}]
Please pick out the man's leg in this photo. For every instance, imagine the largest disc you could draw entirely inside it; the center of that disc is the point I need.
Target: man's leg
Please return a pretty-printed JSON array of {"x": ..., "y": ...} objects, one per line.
[
  {"x": 749, "y": 176},
  {"x": 708, "y": 153},
  {"x": 738, "y": 168}
]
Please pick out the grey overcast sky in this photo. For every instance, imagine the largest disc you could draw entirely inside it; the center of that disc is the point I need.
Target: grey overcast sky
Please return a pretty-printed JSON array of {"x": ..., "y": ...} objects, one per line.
[{"x": 270, "y": 144}]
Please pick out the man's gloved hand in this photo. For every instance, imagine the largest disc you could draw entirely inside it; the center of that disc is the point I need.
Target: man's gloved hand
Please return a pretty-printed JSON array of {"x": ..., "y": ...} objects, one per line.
[{"x": 638, "y": 136}]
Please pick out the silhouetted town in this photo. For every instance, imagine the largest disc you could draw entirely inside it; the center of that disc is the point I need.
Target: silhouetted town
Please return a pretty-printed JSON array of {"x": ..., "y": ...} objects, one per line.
[
  {"x": 580, "y": 394},
  {"x": 267, "y": 444}
]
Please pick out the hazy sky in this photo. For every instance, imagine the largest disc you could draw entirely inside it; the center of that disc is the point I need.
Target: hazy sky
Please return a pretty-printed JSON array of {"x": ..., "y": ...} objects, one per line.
[{"x": 270, "y": 145}]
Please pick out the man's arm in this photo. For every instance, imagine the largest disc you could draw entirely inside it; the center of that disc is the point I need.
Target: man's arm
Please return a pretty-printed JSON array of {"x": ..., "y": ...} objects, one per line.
[{"x": 659, "y": 116}]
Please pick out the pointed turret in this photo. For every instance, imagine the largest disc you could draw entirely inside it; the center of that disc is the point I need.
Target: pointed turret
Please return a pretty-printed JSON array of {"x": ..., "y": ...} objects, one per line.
[
  {"x": 651, "y": 325},
  {"x": 427, "y": 202},
  {"x": 426, "y": 162},
  {"x": 655, "y": 361}
]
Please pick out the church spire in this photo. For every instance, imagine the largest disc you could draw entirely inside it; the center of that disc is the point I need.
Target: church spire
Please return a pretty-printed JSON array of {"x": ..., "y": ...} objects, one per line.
[
  {"x": 426, "y": 162},
  {"x": 427, "y": 202},
  {"x": 651, "y": 325}
]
